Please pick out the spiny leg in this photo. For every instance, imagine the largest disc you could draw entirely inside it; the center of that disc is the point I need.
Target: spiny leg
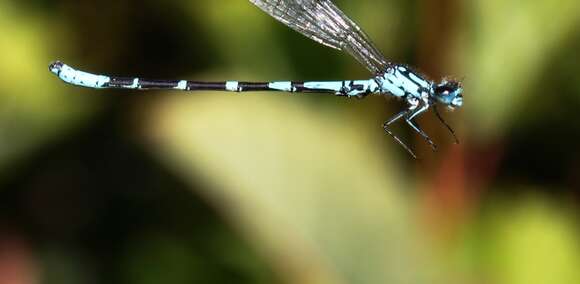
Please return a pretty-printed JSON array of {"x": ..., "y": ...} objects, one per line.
[
  {"x": 416, "y": 127},
  {"x": 391, "y": 121},
  {"x": 410, "y": 120},
  {"x": 445, "y": 123}
]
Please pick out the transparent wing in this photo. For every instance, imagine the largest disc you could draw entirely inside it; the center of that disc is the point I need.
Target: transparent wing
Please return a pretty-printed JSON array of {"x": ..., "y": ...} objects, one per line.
[{"x": 325, "y": 23}]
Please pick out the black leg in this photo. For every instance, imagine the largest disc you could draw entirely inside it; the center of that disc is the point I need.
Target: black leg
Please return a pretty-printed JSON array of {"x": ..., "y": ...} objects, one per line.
[
  {"x": 410, "y": 119},
  {"x": 391, "y": 121},
  {"x": 445, "y": 123},
  {"x": 416, "y": 127}
]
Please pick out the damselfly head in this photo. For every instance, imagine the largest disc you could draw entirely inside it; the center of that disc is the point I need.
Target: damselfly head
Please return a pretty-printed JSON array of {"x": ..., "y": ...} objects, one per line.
[{"x": 449, "y": 93}]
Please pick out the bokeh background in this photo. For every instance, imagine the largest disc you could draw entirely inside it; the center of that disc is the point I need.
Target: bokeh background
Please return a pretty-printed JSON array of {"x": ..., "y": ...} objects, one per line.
[{"x": 108, "y": 186}]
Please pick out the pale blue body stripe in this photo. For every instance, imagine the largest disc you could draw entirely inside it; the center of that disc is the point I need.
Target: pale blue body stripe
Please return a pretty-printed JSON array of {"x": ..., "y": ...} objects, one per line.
[
  {"x": 335, "y": 86},
  {"x": 135, "y": 84},
  {"x": 80, "y": 78},
  {"x": 232, "y": 86},
  {"x": 182, "y": 85},
  {"x": 284, "y": 86},
  {"x": 350, "y": 88}
]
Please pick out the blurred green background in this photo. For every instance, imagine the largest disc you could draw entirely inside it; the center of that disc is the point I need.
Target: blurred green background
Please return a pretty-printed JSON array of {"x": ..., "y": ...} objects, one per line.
[{"x": 108, "y": 186}]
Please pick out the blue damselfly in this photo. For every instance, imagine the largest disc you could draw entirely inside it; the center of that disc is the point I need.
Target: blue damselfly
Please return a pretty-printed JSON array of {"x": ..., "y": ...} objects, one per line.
[{"x": 326, "y": 24}]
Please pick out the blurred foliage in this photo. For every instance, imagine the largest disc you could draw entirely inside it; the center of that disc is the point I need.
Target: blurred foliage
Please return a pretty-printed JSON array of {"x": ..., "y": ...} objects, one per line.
[
  {"x": 515, "y": 41},
  {"x": 102, "y": 186},
  {"x": 32, "y": 109},
  {"x": 540, "y": 235}
]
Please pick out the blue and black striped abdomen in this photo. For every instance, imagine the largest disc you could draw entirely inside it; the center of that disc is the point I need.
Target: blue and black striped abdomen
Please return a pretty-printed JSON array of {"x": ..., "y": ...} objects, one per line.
[{"x": 352, "y": 88}]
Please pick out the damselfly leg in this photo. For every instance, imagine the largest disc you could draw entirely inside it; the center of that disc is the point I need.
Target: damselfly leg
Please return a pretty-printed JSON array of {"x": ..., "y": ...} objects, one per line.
[
  {"x": 410, "y": 119},
  {"x": 445, "y": 123},
  {"x": 409, "y": 116},
  {"x": 388, "y": 130}
]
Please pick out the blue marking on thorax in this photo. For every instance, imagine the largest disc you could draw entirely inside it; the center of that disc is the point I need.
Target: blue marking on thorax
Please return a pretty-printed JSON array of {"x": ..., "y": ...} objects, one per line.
[
  {"x": 422, "y": 82},
  {"x": 399, "y": 81},
  {"x": 81, "y": 78}
]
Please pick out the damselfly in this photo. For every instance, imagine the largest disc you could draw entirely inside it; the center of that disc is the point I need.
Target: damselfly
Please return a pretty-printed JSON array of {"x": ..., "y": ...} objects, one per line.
[{"x": 324, "y": 23}]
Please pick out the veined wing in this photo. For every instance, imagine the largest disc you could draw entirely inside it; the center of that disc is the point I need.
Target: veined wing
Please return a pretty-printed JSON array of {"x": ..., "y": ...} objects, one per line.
[{"x": 325, "y": 23}]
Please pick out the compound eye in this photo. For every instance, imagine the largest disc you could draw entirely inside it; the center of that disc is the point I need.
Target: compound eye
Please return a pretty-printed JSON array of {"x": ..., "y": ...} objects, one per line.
[
  {"x": 443, "y": 90},
  {"x": 446, "y": 88}
]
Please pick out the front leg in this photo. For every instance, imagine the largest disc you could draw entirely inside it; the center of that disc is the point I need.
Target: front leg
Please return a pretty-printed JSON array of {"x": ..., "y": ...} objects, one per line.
[
  {"x": 410, "y": 120},
  {"x": 445, "y": 123}
]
